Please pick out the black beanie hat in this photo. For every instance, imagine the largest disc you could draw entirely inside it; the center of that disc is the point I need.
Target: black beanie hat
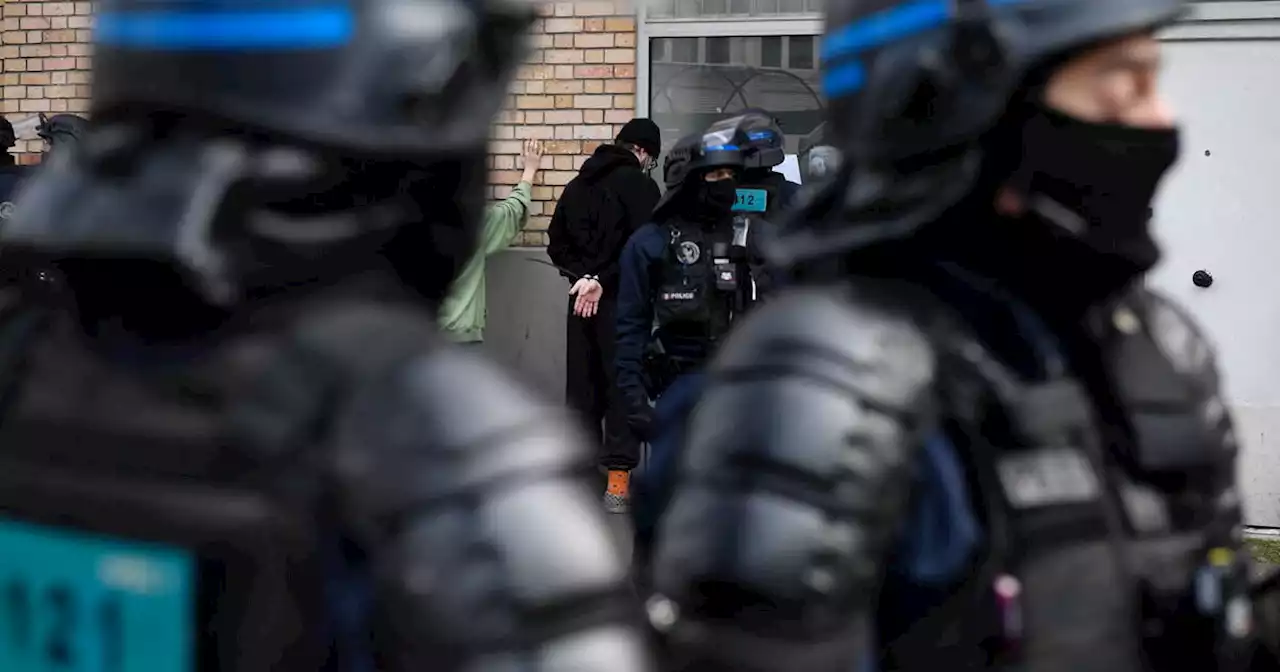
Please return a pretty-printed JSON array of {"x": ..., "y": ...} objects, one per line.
[{"x": 642, "y": 133}]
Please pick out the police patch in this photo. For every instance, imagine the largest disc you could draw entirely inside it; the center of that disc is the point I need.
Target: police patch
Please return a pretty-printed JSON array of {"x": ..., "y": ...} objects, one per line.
[
  {"x": 688, "y": 253},
  {"x": 6, "y": 209}
]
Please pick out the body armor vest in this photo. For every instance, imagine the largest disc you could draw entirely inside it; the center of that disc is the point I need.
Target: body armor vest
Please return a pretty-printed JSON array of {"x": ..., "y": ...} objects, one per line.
[
  {"x": 1105, "y": 490},
  {"x": 174, "y": 520},
  {"x": 696, "y": 284}
]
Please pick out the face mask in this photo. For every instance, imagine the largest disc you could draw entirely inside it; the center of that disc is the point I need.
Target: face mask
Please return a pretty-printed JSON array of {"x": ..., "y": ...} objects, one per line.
[
  {"x": 715, "y": 199},
  {"x": 1094, "y": 183}
]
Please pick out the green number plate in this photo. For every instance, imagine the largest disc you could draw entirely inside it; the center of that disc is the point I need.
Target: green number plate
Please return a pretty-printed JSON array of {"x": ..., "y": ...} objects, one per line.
[
  {"x": 72, "y": 602},
  {"x": 752, "y": 200}
]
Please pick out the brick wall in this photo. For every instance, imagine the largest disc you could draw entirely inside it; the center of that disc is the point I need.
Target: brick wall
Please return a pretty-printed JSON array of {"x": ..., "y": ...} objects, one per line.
[
  {"x": 44, "y": 61},
  {"x": 576, "y": 91}
]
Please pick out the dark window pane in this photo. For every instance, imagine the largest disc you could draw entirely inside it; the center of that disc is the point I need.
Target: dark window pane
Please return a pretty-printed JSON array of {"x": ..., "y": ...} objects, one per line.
[
  {"x": 771, "y": 52},
  {"x": 714, "y": 7},
  {"x": 801, "y": 57},
  {"x": 659, "y": 9},
  {"x": 712, "y": 78},
  {"x": 718, "y": 50},
  {"x": 688, "y": 8},
  {"x": 684, "y": 50}
]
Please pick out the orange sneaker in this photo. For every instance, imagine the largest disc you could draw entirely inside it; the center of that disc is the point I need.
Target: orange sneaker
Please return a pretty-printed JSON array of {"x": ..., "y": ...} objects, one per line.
[{"x": 617, "y": 495}]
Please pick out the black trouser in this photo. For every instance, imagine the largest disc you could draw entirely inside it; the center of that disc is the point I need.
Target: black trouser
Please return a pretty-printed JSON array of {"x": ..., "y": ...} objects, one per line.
[{"x": 590, "y": 386}]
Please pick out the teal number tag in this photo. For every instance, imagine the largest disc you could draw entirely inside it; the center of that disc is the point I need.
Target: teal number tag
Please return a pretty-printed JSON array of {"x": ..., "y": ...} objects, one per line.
[
  {"x": 751, "y": 200},
  {"x": 74, "y": 601}
]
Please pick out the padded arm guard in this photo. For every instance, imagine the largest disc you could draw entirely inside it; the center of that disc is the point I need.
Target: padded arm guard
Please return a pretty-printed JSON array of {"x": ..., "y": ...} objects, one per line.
[
  {"x": 794, "y": 483},
  {"x": 489, "y": 550}
]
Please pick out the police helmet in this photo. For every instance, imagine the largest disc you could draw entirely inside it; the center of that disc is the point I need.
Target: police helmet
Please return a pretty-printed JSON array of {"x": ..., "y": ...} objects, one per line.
[
  {"x": 765, "y": 140},
  {"x": 913, "y": 85},
  {"x": 721, "y": 146},
  {"x": 268, "y": 124},
  {"x": 906, "y": 78}
]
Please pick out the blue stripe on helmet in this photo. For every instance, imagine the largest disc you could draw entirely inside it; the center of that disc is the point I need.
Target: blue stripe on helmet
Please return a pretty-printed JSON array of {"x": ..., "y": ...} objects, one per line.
[
  {"x": 843, "y": 80},
  {"x": 316, "y": 27},
  {"x": 760, "y": 135},
  {"x": 721, "y": 148},
  {"x": 891, "y": 25},
  {"x": 884, "y": 27}
]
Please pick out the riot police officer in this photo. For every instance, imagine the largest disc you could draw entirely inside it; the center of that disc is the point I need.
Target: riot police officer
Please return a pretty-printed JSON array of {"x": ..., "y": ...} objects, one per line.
[
  {"x": 763, "y": 190},
  {"x": 970, "y": 439},
  {"x": 246, "y": 448},
  {"x": 686, "y": 272}
]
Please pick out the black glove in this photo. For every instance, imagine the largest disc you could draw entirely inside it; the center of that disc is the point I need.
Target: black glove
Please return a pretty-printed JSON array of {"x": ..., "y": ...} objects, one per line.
[{"x": 640, "y": 421}]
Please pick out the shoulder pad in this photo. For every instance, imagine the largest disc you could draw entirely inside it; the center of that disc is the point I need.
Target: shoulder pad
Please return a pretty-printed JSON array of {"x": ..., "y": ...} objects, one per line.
[
  {"x": 1176, "y": 334},
  {"x": 799, "y": 456},
  {"x": 445, "y": 423},
  {"x": 849, "y": 337}
]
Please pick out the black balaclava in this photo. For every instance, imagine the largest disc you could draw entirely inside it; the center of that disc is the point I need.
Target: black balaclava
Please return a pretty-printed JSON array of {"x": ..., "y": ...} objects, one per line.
[
  {"x": 711, "y": 203},
  {"x": 1087, "y": 189}
]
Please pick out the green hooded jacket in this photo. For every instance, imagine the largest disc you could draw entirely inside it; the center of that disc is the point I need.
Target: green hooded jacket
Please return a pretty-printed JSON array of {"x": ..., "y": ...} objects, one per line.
[{"x": 463, "y": 312}]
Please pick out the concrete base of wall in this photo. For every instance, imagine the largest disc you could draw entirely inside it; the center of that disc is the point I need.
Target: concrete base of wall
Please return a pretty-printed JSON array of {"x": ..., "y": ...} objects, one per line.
[{"x": 528, "y": 304}]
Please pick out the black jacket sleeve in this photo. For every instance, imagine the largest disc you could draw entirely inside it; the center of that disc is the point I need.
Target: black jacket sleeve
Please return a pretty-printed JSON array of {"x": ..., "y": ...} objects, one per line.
[
  {"x": 637, "y": 195},
  {"x": 634, "y": 328},
  {"x": 796, "y": 476},
  {"x": 563, "y": 250}
]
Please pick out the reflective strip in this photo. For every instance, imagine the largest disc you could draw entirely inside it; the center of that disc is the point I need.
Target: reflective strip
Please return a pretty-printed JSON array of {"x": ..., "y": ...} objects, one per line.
[{"x": 300, "y": 28}]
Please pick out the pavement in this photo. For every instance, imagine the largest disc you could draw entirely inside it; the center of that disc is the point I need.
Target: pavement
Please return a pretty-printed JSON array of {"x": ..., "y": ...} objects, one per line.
[{"x": 620, "y": 525}]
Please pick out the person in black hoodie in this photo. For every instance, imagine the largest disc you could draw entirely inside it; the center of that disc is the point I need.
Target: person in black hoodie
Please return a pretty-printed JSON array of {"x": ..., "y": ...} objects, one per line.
[{"x": 611, "y": 197}]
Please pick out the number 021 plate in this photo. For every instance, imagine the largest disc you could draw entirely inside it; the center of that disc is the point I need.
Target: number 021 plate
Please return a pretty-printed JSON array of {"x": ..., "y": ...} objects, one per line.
[
  {"x": 77, "y": 602},
  {"x": 751, "y": 200}
]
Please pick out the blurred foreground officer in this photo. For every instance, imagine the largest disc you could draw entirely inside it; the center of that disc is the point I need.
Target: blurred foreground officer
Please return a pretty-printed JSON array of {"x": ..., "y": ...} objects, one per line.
[
  {"x": 247, "y": 449},
  {"x": 971, "y": 392}
]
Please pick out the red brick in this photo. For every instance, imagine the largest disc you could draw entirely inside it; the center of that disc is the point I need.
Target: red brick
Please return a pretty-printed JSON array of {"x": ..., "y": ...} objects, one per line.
[
  {"x": 620, "y": 86},
  {"x": 562, "y": 25},
  {"x": 620, "y": 24},
  {"x": 593, "y": 71},
  {"x": 535, "y": 102},
  {"x": 535, "y": 132},
  {"x": 563, "y": 117},
  {"x": 600, "y": 102},
  {"x": 619, "y": 116},
  {"x": 562, "y": 56},
  {"x": 593, "y": 40},
  {"x": 620, "y": 56},
  {"x": 593, "y": 132},
  {"x": 594, "y": 8},
  {"x": 570, "y": 86},
  {"x": 557, "y": 178}
]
